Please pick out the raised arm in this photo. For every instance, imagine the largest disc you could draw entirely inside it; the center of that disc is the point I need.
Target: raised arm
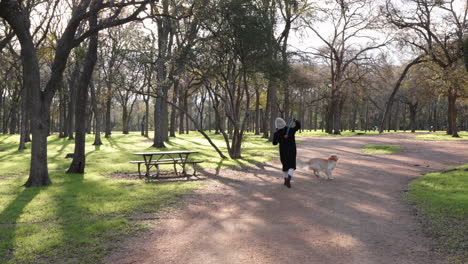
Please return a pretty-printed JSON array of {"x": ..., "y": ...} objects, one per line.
[{"x": 297, "y": 125}]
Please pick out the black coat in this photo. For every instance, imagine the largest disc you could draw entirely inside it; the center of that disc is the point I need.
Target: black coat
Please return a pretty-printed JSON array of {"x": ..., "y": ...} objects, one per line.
[{"x": 287, "y": 146}]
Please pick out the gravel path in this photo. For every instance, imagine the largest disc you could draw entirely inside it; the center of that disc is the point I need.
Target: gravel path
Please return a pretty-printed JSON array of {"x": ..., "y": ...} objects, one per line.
[{"x": 250, "y": 217}]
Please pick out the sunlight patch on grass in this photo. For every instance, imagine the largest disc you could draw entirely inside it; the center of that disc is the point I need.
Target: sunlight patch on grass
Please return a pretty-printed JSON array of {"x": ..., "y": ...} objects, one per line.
[
  {"x": 443, "y": 198},
  {"x": 380, "y": 149}
]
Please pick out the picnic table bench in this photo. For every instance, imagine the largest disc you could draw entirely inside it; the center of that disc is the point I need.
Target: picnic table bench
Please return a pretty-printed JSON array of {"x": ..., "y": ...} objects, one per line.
[{"x": 155, "y": 159}]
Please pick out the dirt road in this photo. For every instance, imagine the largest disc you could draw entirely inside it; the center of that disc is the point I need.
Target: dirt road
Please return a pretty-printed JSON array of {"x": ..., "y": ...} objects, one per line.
[{"x": 250, "y": 217}]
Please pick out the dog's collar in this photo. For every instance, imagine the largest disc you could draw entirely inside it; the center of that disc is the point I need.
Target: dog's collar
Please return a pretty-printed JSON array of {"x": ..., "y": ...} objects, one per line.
[{"x": 332, "y": 158}]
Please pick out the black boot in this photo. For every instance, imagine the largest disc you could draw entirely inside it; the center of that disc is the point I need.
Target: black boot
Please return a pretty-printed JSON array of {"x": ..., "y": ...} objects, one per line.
[{"x": 287, "y": 181}]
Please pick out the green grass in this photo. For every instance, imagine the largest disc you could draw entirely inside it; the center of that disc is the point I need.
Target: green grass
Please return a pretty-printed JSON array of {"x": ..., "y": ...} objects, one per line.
[
  {"x": 443, "y": 198},
  {"x": 443, "y": 136},
  {"x": 79, "y": 218},
  {"x": 381, "y": 149}
]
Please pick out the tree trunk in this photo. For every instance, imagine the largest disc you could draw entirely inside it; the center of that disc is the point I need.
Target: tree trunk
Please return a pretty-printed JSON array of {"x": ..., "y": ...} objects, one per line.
[
  {"x": 273, "y": 106},
  {"x": 413, "y": 110},
  {"x": 79, "y": 157},
  {"x": 13, "y": 117},
  {"x": 286, "y": 102},
  {"x": 404, "y": 119},
  {"x": 435, "y": 123},
  {"x": 18, "y": 19},
  {"x": 89, "y": 121},
  {"x": 397, "y": 117},
  {"x": 209, "y": 115},
  {"x": 108, "y": 131},
  {"x": 186, "y": 108},
  {"x": 257, "y": 112},
  {"x": 1, "y": 108},
  {"x": 315, "y": 118},
  {"x": 6, "y": 118},
  {"x": 452, "y": 98},
  {"x": 353, "y": 122},
  {"x": 97, "y": 116},
  {"x": 147, "y": 117},
  {"x": 449, "y": 130},
  {"x": 161, "y": 109},
  {"x": 266, "y": 116},
  {"x": 158, "y": 141},
  {"x": 63, "y": 113},
  {"x": 125, "y": 120},
  {"x": 366, "y": 124},
  {"x": 235, "y": 149},
  {"x": 72, "y": 103},
  {"x": 24, "y": 117},
  {"x": 181, "y": 112},
  {"x": 329, "y": 122},
  {"x": 389, "y": 119},
  {"x": 337, "y": 117},
  {"x": 173, "y": 109},
  {"x": 142, "y": 126}
]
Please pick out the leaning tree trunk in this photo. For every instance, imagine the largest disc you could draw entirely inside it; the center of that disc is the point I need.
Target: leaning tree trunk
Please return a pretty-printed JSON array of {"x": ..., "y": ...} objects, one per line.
[
  {"x": 396, "y": 87},
  {"x": 79, "y": 157}
]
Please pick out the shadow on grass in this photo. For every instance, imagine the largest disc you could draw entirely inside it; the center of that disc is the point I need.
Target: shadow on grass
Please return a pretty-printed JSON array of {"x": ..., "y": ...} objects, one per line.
[
  {"x": 65, "y": 144},
  {"x": 8, "y": 220},
  {"x": 8, "y": 147},
  {"x": 5, "y": 137},
  {"x": 85, "y": 232},
  {"x": 114, "y": 144}
]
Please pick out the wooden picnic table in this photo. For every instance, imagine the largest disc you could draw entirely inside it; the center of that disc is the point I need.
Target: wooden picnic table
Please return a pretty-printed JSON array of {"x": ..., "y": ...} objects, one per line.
[{"x": 154, "y": 159}]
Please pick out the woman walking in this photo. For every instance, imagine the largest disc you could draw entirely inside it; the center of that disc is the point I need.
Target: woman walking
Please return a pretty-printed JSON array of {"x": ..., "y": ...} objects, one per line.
[{"x": 285, "y": 136}]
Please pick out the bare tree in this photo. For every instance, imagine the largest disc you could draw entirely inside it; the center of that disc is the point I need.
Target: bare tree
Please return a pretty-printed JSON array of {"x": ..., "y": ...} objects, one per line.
[
  {"x": 350, "y": 21},
  {"x": 436, "y": 28}
]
